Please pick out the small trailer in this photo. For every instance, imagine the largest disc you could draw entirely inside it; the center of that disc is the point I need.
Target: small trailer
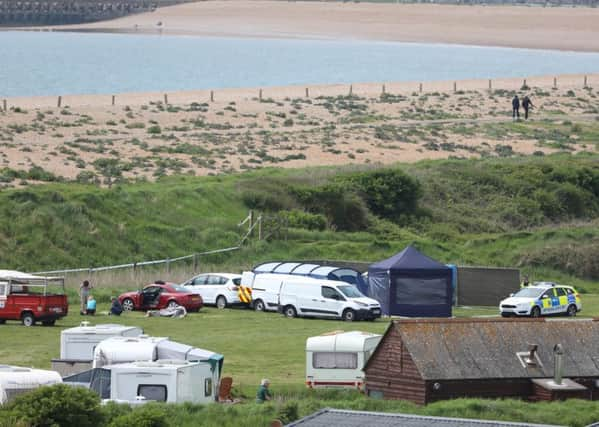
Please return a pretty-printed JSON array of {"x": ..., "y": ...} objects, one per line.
[
  {"x": 117, "y": 350},
  {"x": 172, "y": 381},
  {"x": 77, "y": 345},
  {"x": 15, "y": 380},
  {"x": 336, "y": 360}
]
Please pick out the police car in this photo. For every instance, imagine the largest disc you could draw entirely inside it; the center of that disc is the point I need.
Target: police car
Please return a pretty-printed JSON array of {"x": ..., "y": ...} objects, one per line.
[{"x": 542, "y": 299}]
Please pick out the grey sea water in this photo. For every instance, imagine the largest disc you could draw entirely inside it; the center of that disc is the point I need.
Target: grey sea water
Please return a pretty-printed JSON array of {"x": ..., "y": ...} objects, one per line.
[{"x": 58, "y": 63}]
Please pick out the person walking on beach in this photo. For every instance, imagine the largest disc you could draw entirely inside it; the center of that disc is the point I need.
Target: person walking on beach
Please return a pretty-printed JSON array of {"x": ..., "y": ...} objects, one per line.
[
  {"x": 526, "y": 104},
  {"x": 516, "y": 108},
  {"x": 83, "y": 294}
]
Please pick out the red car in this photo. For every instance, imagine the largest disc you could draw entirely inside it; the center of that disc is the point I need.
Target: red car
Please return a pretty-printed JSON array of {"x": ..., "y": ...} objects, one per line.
[{"x": 161, "y": 295}]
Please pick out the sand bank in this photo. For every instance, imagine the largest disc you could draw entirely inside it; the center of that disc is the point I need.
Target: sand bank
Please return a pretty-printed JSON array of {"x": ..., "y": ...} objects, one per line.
[{"x": 563, "y": 28}]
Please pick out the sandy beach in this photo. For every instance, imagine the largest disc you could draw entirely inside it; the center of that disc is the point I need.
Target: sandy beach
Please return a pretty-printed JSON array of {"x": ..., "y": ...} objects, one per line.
[
  {"x": 563, "y": 28},
  {"x": 142, "y": 137}
]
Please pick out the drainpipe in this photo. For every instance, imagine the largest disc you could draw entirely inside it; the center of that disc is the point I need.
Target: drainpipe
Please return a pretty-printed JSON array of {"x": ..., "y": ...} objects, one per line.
[{"x": 558, "y": 355}]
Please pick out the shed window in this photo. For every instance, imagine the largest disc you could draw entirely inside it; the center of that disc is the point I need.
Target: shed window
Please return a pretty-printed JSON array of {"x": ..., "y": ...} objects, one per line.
[
  {"x": 208, "y": 387},
  {"x": 332, "y": 360},
  {"x": 152, "y": 392}
]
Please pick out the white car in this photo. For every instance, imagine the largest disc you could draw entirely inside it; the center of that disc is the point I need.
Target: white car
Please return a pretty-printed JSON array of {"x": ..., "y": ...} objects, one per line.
[
  {"x": 220, "y": 289},
  {"x": 541, "y": 299}
]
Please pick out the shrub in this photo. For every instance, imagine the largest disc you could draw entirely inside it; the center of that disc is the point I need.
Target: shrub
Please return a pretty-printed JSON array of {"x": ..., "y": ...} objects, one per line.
[
  {"x": 302, "y": 219},
  {"x": 154, "y": 130},
  {"x": 148, "y": 415},
  {"x": 57, "y": 406}
]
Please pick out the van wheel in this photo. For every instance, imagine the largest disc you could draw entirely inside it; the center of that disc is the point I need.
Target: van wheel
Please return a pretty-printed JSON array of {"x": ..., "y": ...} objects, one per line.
[
  {"x": 290, "y": 311},
  {"x": 28, "y": 319},
  {"x": 259, "y": 305},
  {"x": 128, "y": 304},
  {"x": 535, "y": 312},
  {"x": 48, "y": 322},
  {"x": 221, "y": 302},
  {"x": 571, "y": 310},
  {"x": 349, "y": 315}
]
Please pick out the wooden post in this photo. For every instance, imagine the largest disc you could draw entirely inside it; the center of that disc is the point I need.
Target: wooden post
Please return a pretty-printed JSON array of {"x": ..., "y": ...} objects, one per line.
[
  {"x": 420, "y": 88},
  {"x": 165, "y": 99},
  {"x": 260, "y": 94},
  {"x": 113, "y": 99},
  {"x": 211, "y": 96},
  {"x": 59, "y": 101},
  {"x": 555, "y": 83},
  {"x": 195, "y": 263},
  {"x": 260, "y": 227},
  {"x": 455, "y": 87},
  {"x": 351, "y": 90},
  {"x": 585, "y": 82},
  {"x": 4, "y": 105},
  {"x": 490, "y": 85},
  {"x": 383, "y": 89},
  {"x": 524, "y": 83},
  {"x": 307, "y": 93},
  {"x": 251, "y": 221}
]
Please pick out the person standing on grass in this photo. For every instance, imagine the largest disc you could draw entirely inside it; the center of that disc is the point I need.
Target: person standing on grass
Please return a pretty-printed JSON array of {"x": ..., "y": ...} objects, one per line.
[
  {"x": 526, "y": 104},
  {"x": 525, "y": 282},
  {"x": 84, "y": 290},
  {"x": 263, "y": 392},
  {"x": 516, "y": 108}
]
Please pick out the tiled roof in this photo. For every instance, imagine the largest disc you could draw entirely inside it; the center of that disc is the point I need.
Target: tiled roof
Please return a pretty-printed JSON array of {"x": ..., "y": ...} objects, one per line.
[
  {"x": 486, "y": 348},
  {"x": 345, "y": 418}
]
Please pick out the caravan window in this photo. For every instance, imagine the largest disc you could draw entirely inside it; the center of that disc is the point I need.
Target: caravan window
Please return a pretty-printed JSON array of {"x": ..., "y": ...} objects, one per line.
[
  {"x": 208, "y": 387},
  {"x": 333, "y": 360},
  {"x": 152, "y": 392}
]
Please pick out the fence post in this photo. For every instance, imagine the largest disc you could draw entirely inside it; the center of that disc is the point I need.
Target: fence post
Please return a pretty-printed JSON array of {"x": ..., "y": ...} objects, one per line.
[
  {"x": 251, "y": 221},
  {"x": 211, "y": 96},
  {"x": 195, "y": 263},
  {"x": 383, "y": 89},
  {"x": 165, "y": 99},
  {"x": 260, "y": 94},
  {"x": 555, "y": 83},
  {"x": 455, "y": 86},
  {"x": 260, "y": 227},
  {"x": 59, "y": 101},
  {"x": 113, "y": 99},
  {"x": 490, "y": 85},
  {"x": 420, "y": 88},
  {"x": 168, "y": 265},
  {"x": 4, "y": 105},
  {"x": 307, "y": 93},
  {"x": 585, "y": 82},
  {"x": 351, "y": 90}
]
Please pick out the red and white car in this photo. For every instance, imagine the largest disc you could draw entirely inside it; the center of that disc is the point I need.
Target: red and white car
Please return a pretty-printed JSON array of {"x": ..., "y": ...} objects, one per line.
[
  {"x": 160, "y": 295},
  {"x": 30, "y": 298}
]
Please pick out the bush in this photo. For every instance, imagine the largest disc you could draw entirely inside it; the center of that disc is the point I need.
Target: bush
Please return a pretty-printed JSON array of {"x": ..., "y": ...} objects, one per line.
[
  {"x": 154, "y": 130},
  {"x": 57, "y": 406},
  {"x": 149, "y": 415},
  {"x": 306, "y": 220}
]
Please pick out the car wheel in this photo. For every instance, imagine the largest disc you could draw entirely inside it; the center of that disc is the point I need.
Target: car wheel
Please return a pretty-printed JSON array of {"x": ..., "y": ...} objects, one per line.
[
  {"x": 290, "y": 311},
  {"x": 221, "y": 302},
  {"x": 28, "y": 319},
  {"x": 535, "y": 312},
  {"x": 349, "y": 315},
  {"x": 128, "y": 304},
  {"x": 48, "y": 322},
  {"x": 259, "y": 305},
  {"x": 172, "y": 304},
  {"x": 571, "y": 310}
]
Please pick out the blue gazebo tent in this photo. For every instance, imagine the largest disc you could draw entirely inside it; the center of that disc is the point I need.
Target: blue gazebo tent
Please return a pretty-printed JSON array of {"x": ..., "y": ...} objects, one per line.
[{"x": 411, "y": 284}]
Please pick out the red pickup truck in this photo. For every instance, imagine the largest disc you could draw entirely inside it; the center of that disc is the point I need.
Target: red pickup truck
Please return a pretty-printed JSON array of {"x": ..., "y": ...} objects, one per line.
[{"x": 31, "y": 298}]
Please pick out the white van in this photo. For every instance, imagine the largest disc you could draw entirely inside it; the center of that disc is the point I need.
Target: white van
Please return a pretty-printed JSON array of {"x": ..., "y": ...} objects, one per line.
[
  {"x": 326, "y": 298},
  {"x": 337, "y": 359},
  {"x": 266, "y": 288}
]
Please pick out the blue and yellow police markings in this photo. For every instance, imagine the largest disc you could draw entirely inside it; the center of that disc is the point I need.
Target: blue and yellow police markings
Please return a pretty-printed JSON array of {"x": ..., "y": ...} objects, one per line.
[{"x": 245, "y": 294}]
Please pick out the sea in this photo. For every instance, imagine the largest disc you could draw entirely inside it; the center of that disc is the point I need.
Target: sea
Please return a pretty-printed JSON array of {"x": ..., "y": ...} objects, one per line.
[{"x": 36, "y": 63}]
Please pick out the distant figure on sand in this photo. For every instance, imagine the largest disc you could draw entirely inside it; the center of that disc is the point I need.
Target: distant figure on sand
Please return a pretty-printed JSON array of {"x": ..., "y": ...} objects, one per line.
[
  {"x": 516, "y": 108},
  {"x": 526, "y": 104}
]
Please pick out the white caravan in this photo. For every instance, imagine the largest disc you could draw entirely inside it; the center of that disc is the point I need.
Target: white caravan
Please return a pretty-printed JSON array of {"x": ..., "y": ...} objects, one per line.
[
  {"x": 77, "y": 345},
  {"x": 328, "y": 299},
  {"x": 119, "y": 350},
  {"x": 15, "y": 380},
  {"x": 173, "y": 381},
  {"x": 336, "y": 360}
]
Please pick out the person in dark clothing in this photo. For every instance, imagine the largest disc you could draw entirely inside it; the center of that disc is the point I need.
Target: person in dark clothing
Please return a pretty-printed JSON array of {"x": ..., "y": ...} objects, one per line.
[
  {"x": 516, "y": 108},
  {"x": 116, "y": 308},
  {"x": 526, "y": 104}
]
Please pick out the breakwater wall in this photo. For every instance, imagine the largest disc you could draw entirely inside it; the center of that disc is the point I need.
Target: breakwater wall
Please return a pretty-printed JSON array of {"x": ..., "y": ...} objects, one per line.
[{"x": 52, "y": 12}]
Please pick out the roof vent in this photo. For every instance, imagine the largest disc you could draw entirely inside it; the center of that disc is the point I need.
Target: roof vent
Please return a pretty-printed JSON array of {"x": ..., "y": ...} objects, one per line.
[
  {"x": 532, "y": 350},
  {"x": 530, "y": 359},
  {"x": 558, "y": 354}
]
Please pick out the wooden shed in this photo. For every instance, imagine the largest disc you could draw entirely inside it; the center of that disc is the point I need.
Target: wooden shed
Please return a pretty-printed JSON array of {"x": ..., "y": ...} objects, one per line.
[{"x": 425, "y": 360}]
